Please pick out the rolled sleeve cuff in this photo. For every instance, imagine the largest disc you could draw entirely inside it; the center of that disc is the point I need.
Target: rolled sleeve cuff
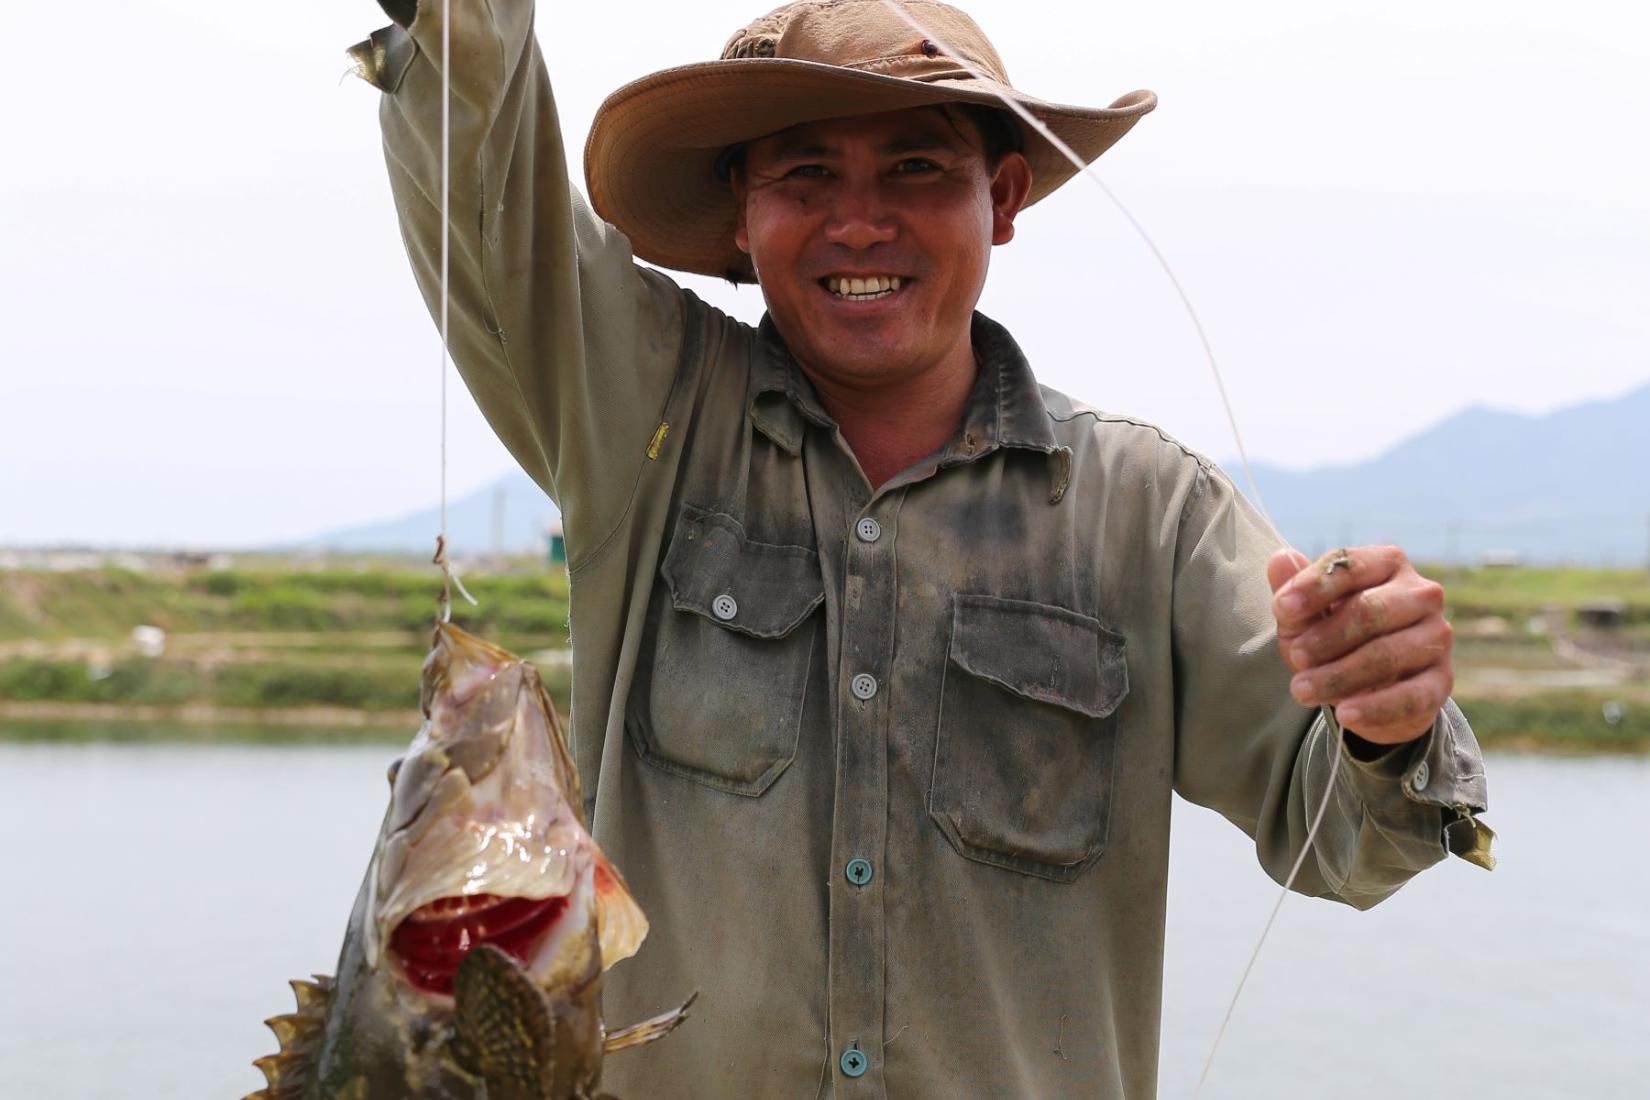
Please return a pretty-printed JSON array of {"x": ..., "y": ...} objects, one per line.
[
  {"x": 1443, "y": 767},
  {"x": 382, "y": 59}
]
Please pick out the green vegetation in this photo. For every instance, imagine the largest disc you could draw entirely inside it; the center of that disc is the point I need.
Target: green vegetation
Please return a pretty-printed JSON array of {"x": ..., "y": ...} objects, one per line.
[
  {"x": 82, "y": 731},
  {"x": 1561, "y": 721},
  {"x": 295, "y": 643},
  {"x": 286, "y": 650},
  {"x": 1520, "y": 593},
  {"x": 275, "y": 596},
  {"x": 381, "y": 686}
]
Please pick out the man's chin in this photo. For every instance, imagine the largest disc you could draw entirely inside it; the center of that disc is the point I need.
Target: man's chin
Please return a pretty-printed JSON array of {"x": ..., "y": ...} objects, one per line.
[{"x": 856, "y": 361}]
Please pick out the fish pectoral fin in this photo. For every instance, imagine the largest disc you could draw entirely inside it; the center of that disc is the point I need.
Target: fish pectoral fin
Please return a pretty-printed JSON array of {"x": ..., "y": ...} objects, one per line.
[
  {"x": 649, "y": 1030},
  {"x": 506, "y": 1033},
  {"x": 620, "y": 922}
]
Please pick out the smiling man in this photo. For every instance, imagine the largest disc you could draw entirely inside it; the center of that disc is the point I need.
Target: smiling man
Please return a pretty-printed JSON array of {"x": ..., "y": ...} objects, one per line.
[
  {"x": 870, "y": 237},
  {"x": 888, "y": 659}
]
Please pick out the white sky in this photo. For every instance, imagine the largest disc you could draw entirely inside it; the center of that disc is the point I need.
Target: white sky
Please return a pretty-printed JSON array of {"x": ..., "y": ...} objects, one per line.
[{"x": 210, "y": 335}]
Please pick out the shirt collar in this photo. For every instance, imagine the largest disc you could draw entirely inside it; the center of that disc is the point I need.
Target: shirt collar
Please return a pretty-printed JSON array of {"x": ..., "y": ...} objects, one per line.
[
  {"x": 781, "y": 397},
  {"x": 1005, "y": 407}
]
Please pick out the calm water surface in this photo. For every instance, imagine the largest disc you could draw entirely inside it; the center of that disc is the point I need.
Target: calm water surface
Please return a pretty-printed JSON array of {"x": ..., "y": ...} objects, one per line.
[{"x": 156, "y": 899}]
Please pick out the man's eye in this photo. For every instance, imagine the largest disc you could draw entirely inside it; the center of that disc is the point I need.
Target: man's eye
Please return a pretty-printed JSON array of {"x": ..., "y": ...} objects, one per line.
[
  {"x": 809, "y": 171},
  {"x": 916, "y": 164}
]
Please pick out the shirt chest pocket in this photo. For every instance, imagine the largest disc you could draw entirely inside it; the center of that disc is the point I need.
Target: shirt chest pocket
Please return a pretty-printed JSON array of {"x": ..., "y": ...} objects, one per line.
[
  {"x": 725, "y": 664},
  {"x": 1027, "y": 735}
]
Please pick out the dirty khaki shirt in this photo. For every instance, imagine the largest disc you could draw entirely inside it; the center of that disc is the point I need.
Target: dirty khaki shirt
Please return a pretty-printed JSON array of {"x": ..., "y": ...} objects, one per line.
[{"x": 890, "y": 771}]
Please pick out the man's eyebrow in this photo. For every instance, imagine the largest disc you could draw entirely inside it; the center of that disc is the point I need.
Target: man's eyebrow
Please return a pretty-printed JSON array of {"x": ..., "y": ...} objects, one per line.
[
  {"x": 801, "y": 149},
  {"x": 916, "y": 143}
]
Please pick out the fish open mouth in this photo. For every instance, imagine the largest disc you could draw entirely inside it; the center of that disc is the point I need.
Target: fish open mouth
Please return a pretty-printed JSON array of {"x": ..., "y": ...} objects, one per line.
[{"x": 433, "y": 939}]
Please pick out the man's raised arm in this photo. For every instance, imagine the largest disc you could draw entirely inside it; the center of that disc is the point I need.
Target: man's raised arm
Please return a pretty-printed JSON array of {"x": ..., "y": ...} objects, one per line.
[{"x": 568, "y": 347}]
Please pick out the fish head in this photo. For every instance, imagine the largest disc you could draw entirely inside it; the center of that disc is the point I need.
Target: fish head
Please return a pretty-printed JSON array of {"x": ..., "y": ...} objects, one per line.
[
  {"x": 484, "y": 840},
  {"x": 483, "y": 844}
]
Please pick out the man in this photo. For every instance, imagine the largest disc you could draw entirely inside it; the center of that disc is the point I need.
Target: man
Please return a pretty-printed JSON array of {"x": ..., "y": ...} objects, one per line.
[{"x": 887, "y": 660}]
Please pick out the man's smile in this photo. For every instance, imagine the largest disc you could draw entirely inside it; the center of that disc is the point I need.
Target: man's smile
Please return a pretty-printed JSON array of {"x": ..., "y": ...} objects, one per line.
[{"x": 863, "y": 288}]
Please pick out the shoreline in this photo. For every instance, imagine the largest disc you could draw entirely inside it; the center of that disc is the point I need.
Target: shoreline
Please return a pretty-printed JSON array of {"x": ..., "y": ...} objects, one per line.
[
  {"x": 306, "y": 717},
  {"x": 273, "y": 650},
  {"x": 42, "y": 721}
]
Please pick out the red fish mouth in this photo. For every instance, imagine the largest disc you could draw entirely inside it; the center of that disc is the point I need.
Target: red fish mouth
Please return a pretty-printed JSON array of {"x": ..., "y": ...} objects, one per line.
[{"x": 433, "y": 940}]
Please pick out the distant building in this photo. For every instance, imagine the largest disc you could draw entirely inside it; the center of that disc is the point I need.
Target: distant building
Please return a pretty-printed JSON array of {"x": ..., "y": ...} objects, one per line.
[
  {"x": 557, "y": 543},
  {"x": 1602, "y": 614},
  {"x": 1500, "y": 559}
]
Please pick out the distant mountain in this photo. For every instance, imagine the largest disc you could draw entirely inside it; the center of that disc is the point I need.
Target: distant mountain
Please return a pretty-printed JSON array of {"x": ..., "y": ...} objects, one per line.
[
  {"x": 1573, "y": 485},
  {"x": 1570, "y": 486},
  {"x": 511, "y": 515}
]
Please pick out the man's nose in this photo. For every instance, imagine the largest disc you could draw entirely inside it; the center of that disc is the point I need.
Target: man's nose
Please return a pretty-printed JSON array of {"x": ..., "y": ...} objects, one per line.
[{"x": 860, "y": 219}]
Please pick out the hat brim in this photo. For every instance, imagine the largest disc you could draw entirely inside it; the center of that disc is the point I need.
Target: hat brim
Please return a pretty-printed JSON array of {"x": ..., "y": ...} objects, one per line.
[{"x": 650, "y": 161}]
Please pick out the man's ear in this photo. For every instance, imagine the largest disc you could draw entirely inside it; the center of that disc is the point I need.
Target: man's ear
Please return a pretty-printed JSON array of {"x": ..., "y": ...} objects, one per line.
[
  {"x": 1010, "y": 186},
  {"x": 741, "y": 239}
]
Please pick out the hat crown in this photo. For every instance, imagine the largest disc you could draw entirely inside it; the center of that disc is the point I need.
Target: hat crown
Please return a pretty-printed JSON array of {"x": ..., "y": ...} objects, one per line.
[{"x": 865, "y": 35}]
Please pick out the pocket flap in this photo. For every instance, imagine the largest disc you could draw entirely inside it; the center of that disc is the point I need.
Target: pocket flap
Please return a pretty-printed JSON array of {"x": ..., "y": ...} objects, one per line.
[
  {"x": 1041, "y": 652},
  {"x": 756, "y": 588}
]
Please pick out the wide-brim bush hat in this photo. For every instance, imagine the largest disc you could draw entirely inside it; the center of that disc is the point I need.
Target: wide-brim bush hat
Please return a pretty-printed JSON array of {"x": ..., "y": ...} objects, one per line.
[{"x": 651, "y": 163}]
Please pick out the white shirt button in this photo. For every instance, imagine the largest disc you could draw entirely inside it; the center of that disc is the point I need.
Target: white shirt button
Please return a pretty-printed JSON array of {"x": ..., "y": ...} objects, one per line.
[
  {"x": 868, "y": 530},
  {"x": 724, "y": 607},
  {"x": 863, "y": 686},
  {"x": 1422, "y": 775}
]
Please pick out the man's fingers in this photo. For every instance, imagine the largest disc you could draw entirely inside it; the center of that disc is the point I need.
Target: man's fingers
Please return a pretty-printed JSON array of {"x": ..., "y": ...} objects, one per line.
[
  {"x": 1366, "y": 634},
  {"x": 1387, "y": 659},
  {"x": 1358, "y": 619},
  {"x": 1283, "y": 565},
  {"x": 1332, "y": 577},
  {"x": 1399, "y": 712}
]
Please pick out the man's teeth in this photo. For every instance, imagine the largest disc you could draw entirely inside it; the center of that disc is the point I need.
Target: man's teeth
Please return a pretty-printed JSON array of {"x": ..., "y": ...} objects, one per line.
[{"x": 876, "y": 286}]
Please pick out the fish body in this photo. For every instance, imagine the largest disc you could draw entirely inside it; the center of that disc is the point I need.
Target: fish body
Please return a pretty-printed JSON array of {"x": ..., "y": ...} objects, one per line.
[{"x": 472, "y": 962}]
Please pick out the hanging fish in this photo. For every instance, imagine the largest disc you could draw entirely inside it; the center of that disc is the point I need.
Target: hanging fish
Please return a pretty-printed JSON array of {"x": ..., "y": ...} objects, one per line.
[{"x": 472, "y": 963}]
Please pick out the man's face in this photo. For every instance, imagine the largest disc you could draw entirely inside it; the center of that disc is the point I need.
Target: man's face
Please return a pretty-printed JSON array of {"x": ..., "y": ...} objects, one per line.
[{"x": 904, "y": 201}]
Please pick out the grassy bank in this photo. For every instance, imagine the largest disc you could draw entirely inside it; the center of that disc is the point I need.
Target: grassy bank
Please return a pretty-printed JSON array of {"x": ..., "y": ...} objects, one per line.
[
  {"x": 518, "y": 600},
  {"x": 265, "y": 649},
  {"x": 1561, "y": 721},
  {"x": 70, "y": 725},
  {"x": 1518, "y": 594}
]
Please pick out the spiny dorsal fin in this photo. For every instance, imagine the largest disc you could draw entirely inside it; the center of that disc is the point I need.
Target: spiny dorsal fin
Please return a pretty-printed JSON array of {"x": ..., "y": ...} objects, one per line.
[
  {"x": 287, "y": 1072},
  {"x": 296, "y": 1032},
  {"x": 312, "y": 994}
]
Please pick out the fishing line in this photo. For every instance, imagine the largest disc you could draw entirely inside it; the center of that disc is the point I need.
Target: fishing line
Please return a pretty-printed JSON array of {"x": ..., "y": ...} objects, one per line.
[
  {"x": 449, "y": 577},
  {"x": 445, "y": 600},
  {"x": 1088, "y": 171}
]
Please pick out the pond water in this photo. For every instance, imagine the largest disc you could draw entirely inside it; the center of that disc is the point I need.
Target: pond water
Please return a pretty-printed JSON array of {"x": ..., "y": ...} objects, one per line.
[{"x": 155, "y": 898}]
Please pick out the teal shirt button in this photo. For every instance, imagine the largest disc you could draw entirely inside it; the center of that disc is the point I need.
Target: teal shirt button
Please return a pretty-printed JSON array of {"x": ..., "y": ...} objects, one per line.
[
  {"x": 858, "y": 871},
  {"x": 854, "y": 1062}
]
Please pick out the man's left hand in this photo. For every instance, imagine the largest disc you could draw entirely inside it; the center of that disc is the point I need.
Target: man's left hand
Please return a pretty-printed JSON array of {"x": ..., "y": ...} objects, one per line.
[{"x": 1365, "y": 633}]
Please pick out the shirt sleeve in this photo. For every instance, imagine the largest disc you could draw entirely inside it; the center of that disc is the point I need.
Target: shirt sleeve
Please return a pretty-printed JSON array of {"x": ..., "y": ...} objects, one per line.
[
  {"x": 568, "y": 346},
  {"x": 1246, "y": 749}
]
